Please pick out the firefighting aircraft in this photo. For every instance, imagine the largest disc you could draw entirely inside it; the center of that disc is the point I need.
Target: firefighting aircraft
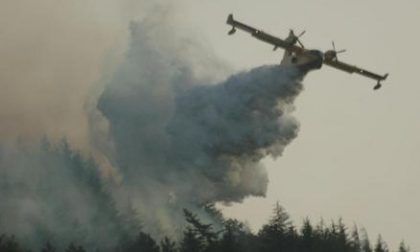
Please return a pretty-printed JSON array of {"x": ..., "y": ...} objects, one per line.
[{"x": 301, "y": 57}]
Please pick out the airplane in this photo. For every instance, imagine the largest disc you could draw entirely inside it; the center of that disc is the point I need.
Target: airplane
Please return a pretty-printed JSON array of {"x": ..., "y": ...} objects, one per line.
[{"x": 301, "y": 57}]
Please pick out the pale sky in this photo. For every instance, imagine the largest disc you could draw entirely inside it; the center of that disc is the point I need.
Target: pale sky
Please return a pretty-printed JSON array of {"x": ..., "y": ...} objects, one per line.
[{"x": 356, "y": 155}]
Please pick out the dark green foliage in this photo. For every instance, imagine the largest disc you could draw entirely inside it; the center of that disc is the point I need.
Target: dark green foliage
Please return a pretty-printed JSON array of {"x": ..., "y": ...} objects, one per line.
[
  {"x": 215, "y": 214},
  {"x": 143, "y": 243},
  {"x": 204, "y": 233},
  {"x": 9, "y": 244},
  {"x": 72, "y": 202},
  {"x": 365, "y": 243},
  {"x": 279, "y": 222},
  {"x": 191, "y": 242},
  {"x": 74, "y": 248},
  {"x": 380, "y": 245},
  {"x": 48, "y": 248},
  {"x": 167, "y": 245},
  {"x": 355, "y": 243},
  {"x": 278, "y": 235},
  {"x": 236, "y": 237},
  {"x": 274, "y": 235},
  {"x": 403, "y": 247},
  {"x": 308, "y": 236}
]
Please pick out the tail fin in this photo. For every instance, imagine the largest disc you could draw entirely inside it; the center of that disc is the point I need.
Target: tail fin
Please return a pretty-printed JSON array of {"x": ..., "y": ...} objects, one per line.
[
  {"x": 230, "y": 19},
  {"x": 379, "y": 85}
]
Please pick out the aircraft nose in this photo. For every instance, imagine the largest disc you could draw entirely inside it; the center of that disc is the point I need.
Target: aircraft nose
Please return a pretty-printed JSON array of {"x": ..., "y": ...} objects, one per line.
[{"x": 319, "y": 58}]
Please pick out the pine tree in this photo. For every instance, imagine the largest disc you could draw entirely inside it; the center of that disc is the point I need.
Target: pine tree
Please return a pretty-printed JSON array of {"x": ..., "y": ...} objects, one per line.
[
  {"x": 74, "y": 248},
  {"x": 280, "y": 220},
  {"x": 365, "y": 244},
  {"x": 236, "y": 236},
  {"x": 144, "y": 242},
  {"x": 191, "y": 242},
  {"x": 203, "y": 231},
  {"x": 232, "y": 233},
  {"x": 355, "y": 244},
  {"x": 342, "y": 242},
  {"x": 129, "y": 223},
  {"x": 9, "y": 244},
  {"x": 320, "y": 236},
  {"x": 307, "y": 236},
  {"x": 166, "y": 245},
  {"x": 215, "y": 214},
  {"x": 273, "y": 235},
  {"x": 380, "y": 245},
  {"x": 403, "y": 247},
  {"x": 48, "y": 248}
]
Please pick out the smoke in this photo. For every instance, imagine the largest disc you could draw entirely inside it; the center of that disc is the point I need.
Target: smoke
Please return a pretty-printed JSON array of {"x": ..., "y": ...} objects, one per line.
[
  {"x": 51, "y": 193},
  {"x": 180, "y": 138},
  {"x": 169, "y": 130},
  {"x": 52, "y": 54},
  {"x": 220, "y": 133}
]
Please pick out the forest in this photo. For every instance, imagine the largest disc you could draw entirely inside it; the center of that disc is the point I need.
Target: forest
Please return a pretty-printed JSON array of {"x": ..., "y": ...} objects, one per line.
[
  {"x": 73, "y": 210},
  {"x": 279, "y": 234}
]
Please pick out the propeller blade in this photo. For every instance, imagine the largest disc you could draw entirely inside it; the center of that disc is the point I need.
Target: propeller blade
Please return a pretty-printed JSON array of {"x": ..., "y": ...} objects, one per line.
[
  {"x": 300, "y": 43},
  {"x": 301, "y": 34},
  {"x": 333, "y": 44},
  {"x": 341, "y": 51}
]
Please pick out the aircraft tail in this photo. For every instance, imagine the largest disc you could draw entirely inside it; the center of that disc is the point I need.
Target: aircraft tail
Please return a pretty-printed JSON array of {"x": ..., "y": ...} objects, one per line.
[
  {"x": 230, "y": 19},
  {"x": 379, "y": 85}
]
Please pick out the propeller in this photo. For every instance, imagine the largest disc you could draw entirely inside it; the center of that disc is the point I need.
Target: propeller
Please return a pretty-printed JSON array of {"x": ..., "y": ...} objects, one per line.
[
  {"x": 335, "y": 50},
  {"x": 301, "y": 34},
  {"x": 298, "y": 37}
]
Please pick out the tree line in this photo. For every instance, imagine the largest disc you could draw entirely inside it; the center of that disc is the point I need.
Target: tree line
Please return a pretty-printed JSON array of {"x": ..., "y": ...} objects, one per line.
[
  {"x": 59, "y": 169},
  {"x": 279, "y": 234}
]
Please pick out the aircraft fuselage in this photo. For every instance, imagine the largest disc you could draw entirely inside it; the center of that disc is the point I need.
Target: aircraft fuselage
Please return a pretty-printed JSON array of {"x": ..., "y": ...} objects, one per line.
[{"x": 306, "y": 60}]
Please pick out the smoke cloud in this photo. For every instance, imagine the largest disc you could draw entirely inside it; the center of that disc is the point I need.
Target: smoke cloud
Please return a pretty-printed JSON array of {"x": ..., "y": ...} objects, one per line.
[
  {"x": 51, "y": 193},
  {"x": 169, "y": 130},
  {"x": 179, "y": 138},
  {"x": 220, "y": 133}
]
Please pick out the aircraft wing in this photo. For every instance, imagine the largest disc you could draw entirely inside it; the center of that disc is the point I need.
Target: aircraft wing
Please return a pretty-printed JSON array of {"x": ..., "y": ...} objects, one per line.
[
  {"x": 354, "y": 69},
  {"x": 263, "y": 36}
]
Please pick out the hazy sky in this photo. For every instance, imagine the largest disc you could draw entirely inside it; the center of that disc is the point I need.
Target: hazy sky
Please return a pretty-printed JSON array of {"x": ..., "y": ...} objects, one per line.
[
  {"x": 357, "y": 152},
  {"x": 356, "y": 155}
]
